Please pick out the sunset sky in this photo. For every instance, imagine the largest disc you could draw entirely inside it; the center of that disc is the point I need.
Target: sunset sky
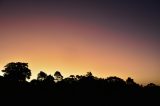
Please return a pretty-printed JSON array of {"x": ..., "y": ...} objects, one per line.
[{"x": 107, "y": 37}]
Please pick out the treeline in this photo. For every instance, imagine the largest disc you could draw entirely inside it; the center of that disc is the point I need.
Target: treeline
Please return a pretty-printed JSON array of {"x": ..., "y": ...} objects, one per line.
[{"x": 74, "y": 90}]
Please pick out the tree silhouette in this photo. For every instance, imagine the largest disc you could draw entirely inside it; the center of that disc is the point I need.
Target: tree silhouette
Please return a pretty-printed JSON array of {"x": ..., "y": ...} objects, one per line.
[
  {"x": 89, "y": 74},
  {"x": 72, "y": 76},
  {"x": 58, "y": 76},
  {"x": 41, "y": 76},
  {"x": 83, "y": 89},
  {"x": 151, "y": 85},
  {"x": 49, "y": 79},
  {"x": 17, "y": 71},
  {"x": 115, "y": 80},
  {"x": 130, "y": 81},
  {"x": 78, "y": 77}
]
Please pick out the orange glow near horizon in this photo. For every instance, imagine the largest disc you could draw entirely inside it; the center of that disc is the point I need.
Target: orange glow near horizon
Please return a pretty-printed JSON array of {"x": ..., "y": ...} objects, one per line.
[{"x": 77, "y": 47}]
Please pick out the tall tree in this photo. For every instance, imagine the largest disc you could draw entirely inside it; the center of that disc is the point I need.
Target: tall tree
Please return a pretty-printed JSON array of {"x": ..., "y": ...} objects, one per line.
[{"x": 17, "y": 71}]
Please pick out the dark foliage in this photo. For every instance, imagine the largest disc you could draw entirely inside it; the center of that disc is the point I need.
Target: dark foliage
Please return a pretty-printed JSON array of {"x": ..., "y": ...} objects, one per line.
[
  {"x": 17, "y": 71},
  {"x": 72, "y": 91}
]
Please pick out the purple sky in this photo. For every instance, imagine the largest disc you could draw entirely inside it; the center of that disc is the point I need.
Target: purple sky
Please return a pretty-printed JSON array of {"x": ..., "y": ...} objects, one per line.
[{"x": 107, "y": 37}]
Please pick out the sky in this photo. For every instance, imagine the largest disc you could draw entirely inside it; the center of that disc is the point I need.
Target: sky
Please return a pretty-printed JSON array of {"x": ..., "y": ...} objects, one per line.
[{"x": 107, "y": 37}]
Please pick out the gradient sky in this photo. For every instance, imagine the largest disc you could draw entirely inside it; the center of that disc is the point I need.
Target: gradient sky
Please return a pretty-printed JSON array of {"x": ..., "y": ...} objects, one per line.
[{"x": 107, "y": 37}]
